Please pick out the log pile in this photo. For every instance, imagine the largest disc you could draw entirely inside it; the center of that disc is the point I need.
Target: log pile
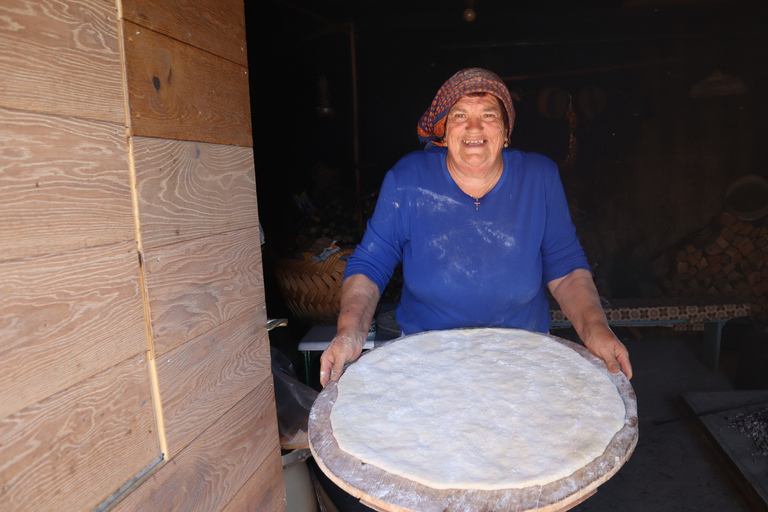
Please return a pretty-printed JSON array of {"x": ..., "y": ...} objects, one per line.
[{"x": 728, "y": 258}]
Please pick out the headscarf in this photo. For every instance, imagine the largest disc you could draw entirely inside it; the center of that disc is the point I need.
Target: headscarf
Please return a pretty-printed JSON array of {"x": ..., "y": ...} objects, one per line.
[{"x": 431, "y": 127}]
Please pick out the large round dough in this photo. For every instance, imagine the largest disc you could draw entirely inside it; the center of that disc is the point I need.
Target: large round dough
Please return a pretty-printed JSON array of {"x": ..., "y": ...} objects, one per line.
[{"x": 476, "y": 409}]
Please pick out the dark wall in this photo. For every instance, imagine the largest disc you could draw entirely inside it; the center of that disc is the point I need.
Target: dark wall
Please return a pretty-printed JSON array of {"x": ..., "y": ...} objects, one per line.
[{"x": 651, "y": 168}]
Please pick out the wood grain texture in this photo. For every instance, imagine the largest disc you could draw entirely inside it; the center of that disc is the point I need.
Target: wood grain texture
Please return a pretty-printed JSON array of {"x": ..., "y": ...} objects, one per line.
[
  {"x": 203, "y": 378},
  {"x": 177, "y": 91},
  {"x": 263, "y": 492},
  {"x": 189, "y": 190},
  {"x": 208, "y": 473},
  {"x": 72, "y": 450},
  {"x": 66, "y": 317},
  {"x": 61, "y": 58},
  {"x": 64, "y": 184},
  {"x": 217, "y": 26},
  {"x": 194, "y": 286}
]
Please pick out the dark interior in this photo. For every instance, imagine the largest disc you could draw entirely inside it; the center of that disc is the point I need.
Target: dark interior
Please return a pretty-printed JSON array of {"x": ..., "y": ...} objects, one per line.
[
  {"x": 652, "y": 160},
  {"x": 669, "y": 104},
  {"x": 652, "y": 164}
]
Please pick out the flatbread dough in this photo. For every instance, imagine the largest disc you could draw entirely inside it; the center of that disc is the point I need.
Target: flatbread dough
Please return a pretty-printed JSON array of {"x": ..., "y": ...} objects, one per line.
[{"x": 476, "y": 409}]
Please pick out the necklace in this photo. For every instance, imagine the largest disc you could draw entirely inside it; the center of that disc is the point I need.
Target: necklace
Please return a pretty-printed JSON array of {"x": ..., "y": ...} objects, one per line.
[
  {"x": 493, "y": 182},
  {"x": 477, "y": 199}
]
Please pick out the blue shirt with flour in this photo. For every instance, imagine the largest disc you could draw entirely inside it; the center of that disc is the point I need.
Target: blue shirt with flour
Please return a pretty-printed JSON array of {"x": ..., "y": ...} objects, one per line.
[{"x": 465, "y": 266}]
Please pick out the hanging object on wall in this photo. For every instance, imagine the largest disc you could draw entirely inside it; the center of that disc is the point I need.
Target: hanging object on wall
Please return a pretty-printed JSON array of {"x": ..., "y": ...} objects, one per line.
[
  {"x": 717, "y": 84},
  {"x": 323, "y": 97},
  {"x": 573, "y": 122},
  {"x": 592, "y": 101},
  {"x": 747, "y": 198},
  {"x": 553, "y": 103},
  {"x": 469, "y": 12}
]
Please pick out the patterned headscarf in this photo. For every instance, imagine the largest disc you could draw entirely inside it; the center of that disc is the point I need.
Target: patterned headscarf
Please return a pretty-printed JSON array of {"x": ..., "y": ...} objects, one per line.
[{"x": 431, "y": 128}]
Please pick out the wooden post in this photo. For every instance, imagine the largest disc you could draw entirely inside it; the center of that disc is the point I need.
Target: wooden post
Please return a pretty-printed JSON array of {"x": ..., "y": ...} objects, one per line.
[{"x": 356, "y": 137}]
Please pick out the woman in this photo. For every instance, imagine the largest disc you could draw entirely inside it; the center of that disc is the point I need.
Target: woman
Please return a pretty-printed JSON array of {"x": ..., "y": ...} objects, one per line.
[{"x": 480, "y": 229}]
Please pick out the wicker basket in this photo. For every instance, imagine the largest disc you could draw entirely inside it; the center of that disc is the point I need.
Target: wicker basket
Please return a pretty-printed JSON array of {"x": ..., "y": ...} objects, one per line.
[{"x": 312, "y": 289}]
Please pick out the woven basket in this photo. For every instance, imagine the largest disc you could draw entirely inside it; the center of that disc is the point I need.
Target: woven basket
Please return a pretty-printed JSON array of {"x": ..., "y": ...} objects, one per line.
[{"x": 312, "y": 289}]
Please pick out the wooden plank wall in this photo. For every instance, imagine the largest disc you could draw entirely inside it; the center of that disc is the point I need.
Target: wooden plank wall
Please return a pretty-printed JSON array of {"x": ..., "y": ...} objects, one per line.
[
  {"x": 76, "y": 415},
  {"x": 187, "y": 85},
  {"x": 131, "y": 292}
]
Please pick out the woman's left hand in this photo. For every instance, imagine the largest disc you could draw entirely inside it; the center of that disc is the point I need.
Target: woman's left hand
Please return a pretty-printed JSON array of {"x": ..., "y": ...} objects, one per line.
[
  {"x": 577, "y": 295},
  {"x": 606, "y": 346}
]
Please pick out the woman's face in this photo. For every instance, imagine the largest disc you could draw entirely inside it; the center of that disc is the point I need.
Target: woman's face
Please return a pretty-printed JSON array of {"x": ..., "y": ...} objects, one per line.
[{"x": 474, "y": 131}]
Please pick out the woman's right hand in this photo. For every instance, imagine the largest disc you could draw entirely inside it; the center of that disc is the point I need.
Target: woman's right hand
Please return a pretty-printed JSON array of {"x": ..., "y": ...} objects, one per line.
[
  {"x": 359, "y": 296},
  {"x": 345, "y": 347}
]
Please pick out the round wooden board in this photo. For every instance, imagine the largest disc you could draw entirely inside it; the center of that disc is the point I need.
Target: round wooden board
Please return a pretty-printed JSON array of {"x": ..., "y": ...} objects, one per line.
[{"x": 385, "y": 491}]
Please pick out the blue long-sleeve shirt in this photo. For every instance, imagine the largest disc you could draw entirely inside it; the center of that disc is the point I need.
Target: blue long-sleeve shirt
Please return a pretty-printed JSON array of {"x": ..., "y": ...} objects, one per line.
[{"x": 465, "y": 266}]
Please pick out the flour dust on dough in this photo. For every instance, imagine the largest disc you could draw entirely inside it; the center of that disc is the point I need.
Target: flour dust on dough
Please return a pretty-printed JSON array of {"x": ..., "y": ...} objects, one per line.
[{"x": 476, "y": 409}]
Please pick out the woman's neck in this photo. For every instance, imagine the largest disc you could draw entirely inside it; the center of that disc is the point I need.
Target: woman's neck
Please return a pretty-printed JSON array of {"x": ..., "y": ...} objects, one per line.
[{"x": 475, "y": 182}]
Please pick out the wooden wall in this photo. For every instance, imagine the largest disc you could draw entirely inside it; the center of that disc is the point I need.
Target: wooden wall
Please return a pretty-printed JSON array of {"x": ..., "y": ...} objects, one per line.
[{"x": 134, "y": 363}]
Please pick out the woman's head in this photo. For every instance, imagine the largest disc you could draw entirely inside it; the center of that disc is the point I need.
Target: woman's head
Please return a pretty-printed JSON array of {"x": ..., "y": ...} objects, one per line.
[
  {"x": 475, "y": 132},
  {"x": 471, "y": 81}
]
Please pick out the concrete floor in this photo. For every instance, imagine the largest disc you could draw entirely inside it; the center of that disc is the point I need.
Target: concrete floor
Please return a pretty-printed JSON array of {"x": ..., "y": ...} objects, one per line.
[{"x": 673, "y": 467}]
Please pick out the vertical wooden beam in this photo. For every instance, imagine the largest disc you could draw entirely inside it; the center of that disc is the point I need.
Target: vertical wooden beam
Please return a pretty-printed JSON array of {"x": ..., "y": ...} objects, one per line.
[{"x": 157, "y": 403}]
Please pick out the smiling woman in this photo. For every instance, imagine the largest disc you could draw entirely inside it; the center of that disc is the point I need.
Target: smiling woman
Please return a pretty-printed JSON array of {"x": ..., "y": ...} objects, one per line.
[
  {"x": 482, "y": 230},
  {"x": 474, "y": 136}
]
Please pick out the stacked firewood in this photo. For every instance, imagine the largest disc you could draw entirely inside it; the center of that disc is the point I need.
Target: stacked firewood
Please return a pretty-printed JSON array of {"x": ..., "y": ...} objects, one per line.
[{"x": 728, "y": 258}]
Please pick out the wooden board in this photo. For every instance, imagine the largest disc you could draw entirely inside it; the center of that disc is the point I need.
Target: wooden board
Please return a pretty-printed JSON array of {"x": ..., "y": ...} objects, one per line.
[
  {"x": 61, "y": 58},
  {"x": 72, "y": 450},
  {"x": 392, "y": 493},
  {"x": 194, "y": 286},
  {"x": 203, "y": 378},
  {"x": 264, "y": 491},
  {"x": 217, "y": 26},
  {"x": 189, "y": 190},
  {"x": 66, "y": 317},
  {"x": 208, "y": 473},
  {"x": 64, "y": 183},
  {"x": 177, "y": 91}
]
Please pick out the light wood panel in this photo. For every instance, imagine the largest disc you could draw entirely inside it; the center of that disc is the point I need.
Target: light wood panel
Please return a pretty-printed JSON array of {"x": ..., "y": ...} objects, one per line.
[
  {"x": 64, "y": 184},
  {"x": 208, "y": 473},
  {"x": 217, "y": 26},
  {"x": 177, "y": 91},
  {"x": 194, "y": 286},
  {"x": 61, "y": 58},
  {"x": 188, "y": 190},
  {"x": 72, "y": 450},
  {"x": 203, "y": 378},
  {"x": 263, "y": 492},
  {"x": 66, "y": 317}
]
